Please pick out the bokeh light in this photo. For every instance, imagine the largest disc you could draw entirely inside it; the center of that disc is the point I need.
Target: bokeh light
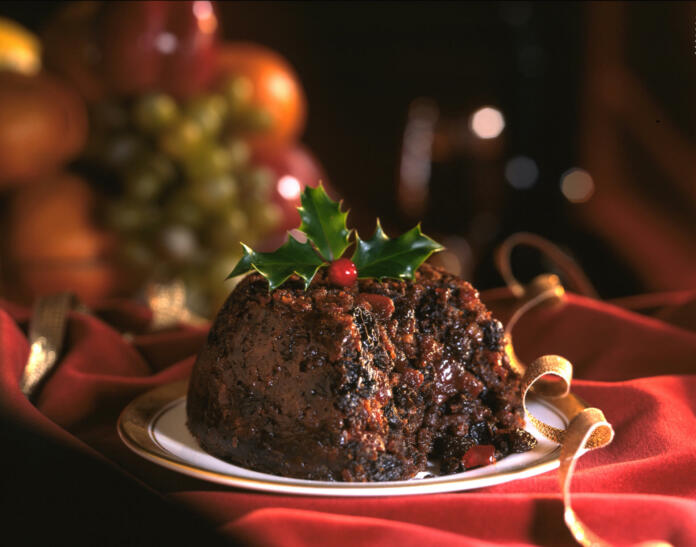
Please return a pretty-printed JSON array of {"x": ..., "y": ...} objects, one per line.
[
  {"x": 179, "y": 242},
  {"x": 577, "y": 185},
  {"x": 417, "y": 156},
  {"x": 20, "y": 50},
  {"x": 166, "y": 43},
  {"x": 487, "y": 122},
  {"x": 281, "y": 86},
  {"x": 521, "y": 172},
  {"x": 289, "y": 187},
  {"x": 205, "y": 16}
]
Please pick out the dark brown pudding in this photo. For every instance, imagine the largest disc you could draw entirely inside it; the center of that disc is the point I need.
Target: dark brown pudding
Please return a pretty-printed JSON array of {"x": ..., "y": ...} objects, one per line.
[{"x": 364, "y": 383}]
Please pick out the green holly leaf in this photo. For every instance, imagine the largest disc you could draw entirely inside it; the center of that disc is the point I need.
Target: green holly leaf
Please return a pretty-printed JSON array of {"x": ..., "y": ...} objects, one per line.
[
  {"x": 324, "y": 223},
  {"x": 292, "y": 257},
  {"x": 244, "y": 264},
  {"x": 328, "y": 238},
  {"x": 400, "y": 258}
]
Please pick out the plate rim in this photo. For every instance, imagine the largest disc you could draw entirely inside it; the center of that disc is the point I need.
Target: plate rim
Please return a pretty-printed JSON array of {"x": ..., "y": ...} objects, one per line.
[{"x": 137, "y": 420}]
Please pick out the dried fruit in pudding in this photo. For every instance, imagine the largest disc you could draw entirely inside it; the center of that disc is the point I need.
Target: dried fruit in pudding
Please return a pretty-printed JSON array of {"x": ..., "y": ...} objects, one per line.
[{"x": 362, "y": 381}]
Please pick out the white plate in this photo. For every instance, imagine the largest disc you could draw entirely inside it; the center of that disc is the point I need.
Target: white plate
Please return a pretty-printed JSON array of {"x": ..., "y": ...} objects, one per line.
[{"x": 154, "y": 426}]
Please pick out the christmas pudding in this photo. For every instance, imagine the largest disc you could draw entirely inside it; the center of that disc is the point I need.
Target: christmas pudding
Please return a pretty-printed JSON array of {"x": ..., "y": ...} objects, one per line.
[{"x": 333, "y": 374}]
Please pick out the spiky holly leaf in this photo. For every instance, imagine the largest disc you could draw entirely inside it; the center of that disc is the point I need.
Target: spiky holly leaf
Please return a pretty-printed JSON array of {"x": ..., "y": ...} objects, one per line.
[
  {"x": 382, "y": 257},
  {"x": 244, "y": 264},
  {"x": 292, "y": 257},
  {"x": 324, "y": 223}
]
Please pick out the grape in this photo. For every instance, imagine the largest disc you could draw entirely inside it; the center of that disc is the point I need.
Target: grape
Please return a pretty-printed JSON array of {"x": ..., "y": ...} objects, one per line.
[
  {"x": 162, "y": 166},
  {"x": 181, "y": 209},
  {"x": 128, "y": 216},
  {"x": 257, "y": 183},
  {"x": 178, "y": 243},
  {"x": 238, "y": 91},
  {"x": 190, "y": 191},
  {"x": 209, "y": 162},
  {"x": 121, "y": 149},
  {"x": 257, "y": 120},
  {"x": 269, "y": 216},
  {"x": 143, "y": 184},
  {"x": 214, "y": 193},
  {"x": 137, "y": 254},
  {"x": 221, "y": 266},
  {"x": 155, "y": 112},
  {"x": 236, "y": 221},
  {"x": 183, "y": 139},
  {"x": 209, "y": 112},
  {"x": 239, "y": 152},
  {"x": 232, "y": 228},
  {"x": 146, "y": 179}
]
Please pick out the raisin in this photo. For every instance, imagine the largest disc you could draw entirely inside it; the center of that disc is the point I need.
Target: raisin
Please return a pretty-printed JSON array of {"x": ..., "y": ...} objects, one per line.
[
  {"x": 480, "y": 433},
  {"x": 493, "y": 333}
]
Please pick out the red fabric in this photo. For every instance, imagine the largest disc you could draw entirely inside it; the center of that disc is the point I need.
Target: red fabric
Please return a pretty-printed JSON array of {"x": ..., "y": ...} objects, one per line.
[{"x": 638, "y": 369}]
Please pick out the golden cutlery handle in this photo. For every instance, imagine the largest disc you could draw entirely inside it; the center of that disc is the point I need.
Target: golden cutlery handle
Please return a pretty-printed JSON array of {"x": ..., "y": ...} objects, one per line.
[{"x": 46, "y": 333}]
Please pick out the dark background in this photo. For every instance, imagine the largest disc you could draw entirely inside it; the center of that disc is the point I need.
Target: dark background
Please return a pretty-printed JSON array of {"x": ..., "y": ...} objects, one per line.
[{"x": 362, "y": 64}]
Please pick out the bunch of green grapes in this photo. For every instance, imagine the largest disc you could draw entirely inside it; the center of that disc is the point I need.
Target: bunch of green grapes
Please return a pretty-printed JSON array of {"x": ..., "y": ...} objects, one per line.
[{"x": 187, "y": 193}]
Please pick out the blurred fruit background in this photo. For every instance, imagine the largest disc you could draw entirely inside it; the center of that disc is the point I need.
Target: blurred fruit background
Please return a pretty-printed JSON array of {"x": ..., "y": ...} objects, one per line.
[
  {"x": 141, "y": 141},
  {"x": 138, "y": 146}
]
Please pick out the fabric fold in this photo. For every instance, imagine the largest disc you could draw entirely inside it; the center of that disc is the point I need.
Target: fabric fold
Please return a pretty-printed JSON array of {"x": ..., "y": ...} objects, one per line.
[{"x": 639, "y": 369}]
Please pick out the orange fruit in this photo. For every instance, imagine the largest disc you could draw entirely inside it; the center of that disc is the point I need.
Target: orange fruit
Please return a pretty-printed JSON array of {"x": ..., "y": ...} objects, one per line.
[
  {"x": 20, "y": 50},
  {"x": 274, "y": 86},
  {"x": 53, "y": 243},
  {"x": 43, "y": 124}
]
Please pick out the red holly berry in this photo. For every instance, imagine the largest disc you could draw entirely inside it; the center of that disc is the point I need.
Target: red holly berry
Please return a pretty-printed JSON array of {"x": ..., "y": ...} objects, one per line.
[{"x": 342, "y": 272}]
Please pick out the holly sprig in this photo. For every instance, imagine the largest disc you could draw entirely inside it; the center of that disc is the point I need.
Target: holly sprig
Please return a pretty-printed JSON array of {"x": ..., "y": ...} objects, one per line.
[{"x": 328, "y": 238}]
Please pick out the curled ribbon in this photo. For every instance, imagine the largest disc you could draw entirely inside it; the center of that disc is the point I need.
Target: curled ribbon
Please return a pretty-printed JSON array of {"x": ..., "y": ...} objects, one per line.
[
  {"x": 588, "y": 429},
  {"x": 550, "y": 376}
]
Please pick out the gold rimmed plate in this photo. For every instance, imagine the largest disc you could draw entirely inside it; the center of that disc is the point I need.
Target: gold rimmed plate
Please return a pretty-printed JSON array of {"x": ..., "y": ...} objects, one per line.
[{"x": 154, "y": 427}]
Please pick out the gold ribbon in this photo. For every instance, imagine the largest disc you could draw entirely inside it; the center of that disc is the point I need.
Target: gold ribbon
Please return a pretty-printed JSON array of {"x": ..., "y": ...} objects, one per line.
[
  {"x": 566, "y": 264},
  {"x": 587, "y": 429}
]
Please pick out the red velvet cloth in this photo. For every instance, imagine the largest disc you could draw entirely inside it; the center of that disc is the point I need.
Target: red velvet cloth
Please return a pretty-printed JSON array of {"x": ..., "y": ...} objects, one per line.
[{"x": 638, "y": 368}]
